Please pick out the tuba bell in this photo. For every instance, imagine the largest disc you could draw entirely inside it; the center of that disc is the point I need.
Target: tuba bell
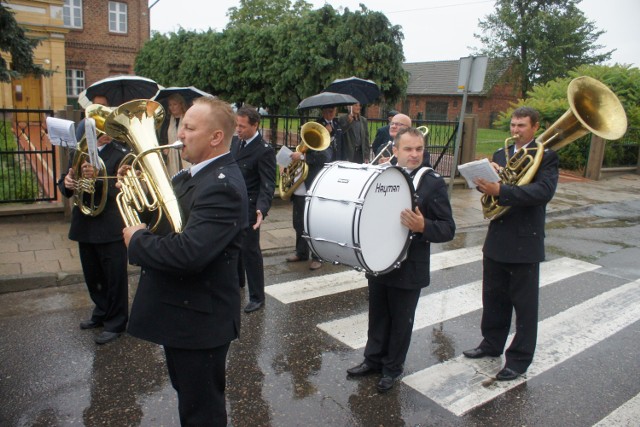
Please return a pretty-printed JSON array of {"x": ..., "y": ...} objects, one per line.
[
  {"x": 593, "y": 107},
  {"x": 314, "y": 137},
  {"x": 84, "y": 194},
  {"x": 146, "y": 186}
]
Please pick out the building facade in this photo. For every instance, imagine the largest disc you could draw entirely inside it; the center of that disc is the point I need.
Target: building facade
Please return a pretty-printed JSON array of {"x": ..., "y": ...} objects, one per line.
[
  {"x": 82, "y": 41},
  {"x": 432, "y": 93}
]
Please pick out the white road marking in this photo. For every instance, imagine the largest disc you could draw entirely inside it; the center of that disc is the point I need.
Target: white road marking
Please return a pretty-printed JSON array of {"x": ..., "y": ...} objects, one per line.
[
  {"x": 319, "y": 286},
  {"x": 444, "y": 305},
  {"x": 462, "y": 384}
]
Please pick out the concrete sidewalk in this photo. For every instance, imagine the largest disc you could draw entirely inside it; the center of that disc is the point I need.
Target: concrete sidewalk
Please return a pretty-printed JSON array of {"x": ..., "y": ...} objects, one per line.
[{"x": 35, "y": 251}]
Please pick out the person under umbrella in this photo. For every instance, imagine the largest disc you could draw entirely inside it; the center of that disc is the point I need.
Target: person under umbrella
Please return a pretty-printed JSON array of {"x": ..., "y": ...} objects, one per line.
[{"x": 176, "y": 107}]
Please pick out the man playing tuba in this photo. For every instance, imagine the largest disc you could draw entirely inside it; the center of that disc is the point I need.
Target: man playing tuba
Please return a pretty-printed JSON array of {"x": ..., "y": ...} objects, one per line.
[
  {"x": 103, "y": 254},
  {"x": 512, "y": 251}
]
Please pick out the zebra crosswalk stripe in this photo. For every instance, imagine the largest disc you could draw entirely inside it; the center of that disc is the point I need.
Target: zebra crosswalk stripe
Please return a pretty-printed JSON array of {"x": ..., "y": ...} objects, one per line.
[
  {"x": 625, "y": 415},
  {"x": 444, "y": 305},
  {"x": 462, "y": 384},
  {"x": 329, "y": 284}
]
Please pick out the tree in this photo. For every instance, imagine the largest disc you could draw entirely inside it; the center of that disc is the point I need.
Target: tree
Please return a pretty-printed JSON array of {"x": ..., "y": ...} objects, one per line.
[
  {"x": 14, "y": 41},
  {"x": 259, "y": 13},
  {"x": 546, "y": 38},
  {"x": 278, "y": 65}
]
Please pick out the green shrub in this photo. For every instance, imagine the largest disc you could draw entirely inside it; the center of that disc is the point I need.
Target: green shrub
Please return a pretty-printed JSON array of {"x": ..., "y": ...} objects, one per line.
[{"x": 16, "y": 183}]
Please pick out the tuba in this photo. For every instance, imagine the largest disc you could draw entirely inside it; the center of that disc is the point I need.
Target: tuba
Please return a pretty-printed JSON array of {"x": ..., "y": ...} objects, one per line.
[
  {"x": 84, "y": 194},
  {"x": 314, "y": 137},
  {"x": 146, "y": 185},
  {"x": 593, "y": 107}
]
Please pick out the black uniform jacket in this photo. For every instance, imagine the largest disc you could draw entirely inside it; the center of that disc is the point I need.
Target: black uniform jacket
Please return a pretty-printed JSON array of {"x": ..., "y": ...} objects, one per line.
[
  {"x": 518, "y": 235},
  {"x": 188, "y": 295},
  {"x": 107, "y": 226},
  {"x": 257, "y": 162},
  {"x": 433, "y": 201}
]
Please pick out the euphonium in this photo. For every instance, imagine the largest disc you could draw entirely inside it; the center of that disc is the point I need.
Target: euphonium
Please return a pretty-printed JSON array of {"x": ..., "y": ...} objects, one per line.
[
  {"x": 84, "y": 194},
  {"x": 314, "y": 137},
  {"x": 146, "y": 186},
  {"x": 593, "y": 107}
]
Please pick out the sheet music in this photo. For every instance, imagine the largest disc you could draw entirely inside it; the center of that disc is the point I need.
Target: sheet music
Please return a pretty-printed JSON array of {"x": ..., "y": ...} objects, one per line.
[
  {"x": 92, "y": 142},
  {"x": 62, "y": 132},
  {"x": 478, "y": 169},
  {"x": 284, "y": 156}
]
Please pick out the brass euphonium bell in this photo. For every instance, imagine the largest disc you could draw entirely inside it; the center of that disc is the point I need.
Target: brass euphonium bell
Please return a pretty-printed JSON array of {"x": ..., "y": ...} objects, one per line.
[
  {"x": 147, "y": 185},
  {"x": 593, "y": 107},
  {"x": 314, "y": 137},
  {"x": 84, "y": 194}
]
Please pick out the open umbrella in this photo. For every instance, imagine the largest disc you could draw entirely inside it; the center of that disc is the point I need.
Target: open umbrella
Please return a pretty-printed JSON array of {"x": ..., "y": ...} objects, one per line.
[
  {"x": 119, "y": 89},
  {"x": 326, "y": 99},
  {"x": 188, "y": 93},
  {"x": 365, "y": 91}
]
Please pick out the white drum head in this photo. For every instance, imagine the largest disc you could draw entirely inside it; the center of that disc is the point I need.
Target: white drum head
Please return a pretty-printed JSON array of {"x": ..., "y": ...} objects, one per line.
[{"x": 382, "y": 238}]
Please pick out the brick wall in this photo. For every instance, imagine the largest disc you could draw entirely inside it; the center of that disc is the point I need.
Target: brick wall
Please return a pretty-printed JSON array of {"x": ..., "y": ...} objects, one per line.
[
  {"x": 486, "y": 107},
  {"x": 101, "y": 53}
]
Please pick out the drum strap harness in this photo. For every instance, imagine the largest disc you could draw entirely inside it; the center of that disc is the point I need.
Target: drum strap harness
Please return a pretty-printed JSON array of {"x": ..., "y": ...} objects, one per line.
[{"x": 418, "y": 174}]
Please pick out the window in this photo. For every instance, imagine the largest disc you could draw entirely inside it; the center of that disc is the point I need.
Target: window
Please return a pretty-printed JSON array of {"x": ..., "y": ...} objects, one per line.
[
  {"x": 72, "y": 13},
  {"x": 117, "y": 17},
  {"x": 436, "y": 110},
  {"x": 75, "y": 82}
]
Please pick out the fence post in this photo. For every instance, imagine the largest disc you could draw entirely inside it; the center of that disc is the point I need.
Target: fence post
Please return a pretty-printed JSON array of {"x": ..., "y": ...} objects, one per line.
[
  {"x": 469, "y": 138},
  {"x": 596, "y": 156},
  {"x": 63, "y": 154}
]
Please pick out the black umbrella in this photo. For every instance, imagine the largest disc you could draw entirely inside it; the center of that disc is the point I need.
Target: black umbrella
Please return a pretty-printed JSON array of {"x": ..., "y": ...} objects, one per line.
[
  {"x": 365, "y": 91},
  {"x": 326, "y": 99},
  {"x": 119, "y": 89},
  {"x": 188, "y": 93}
]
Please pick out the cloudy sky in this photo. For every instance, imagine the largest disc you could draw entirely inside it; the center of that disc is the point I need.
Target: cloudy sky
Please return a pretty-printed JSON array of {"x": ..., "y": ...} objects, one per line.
[{"x": 434, "y": 30}]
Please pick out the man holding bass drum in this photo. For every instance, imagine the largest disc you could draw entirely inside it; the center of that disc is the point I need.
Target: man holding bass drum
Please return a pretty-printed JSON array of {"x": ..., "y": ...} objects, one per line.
[{"x": 393, "y": 297}]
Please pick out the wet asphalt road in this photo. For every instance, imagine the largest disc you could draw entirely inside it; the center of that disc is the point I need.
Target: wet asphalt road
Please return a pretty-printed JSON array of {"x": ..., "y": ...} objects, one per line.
[{"x": 284, "y": 371}]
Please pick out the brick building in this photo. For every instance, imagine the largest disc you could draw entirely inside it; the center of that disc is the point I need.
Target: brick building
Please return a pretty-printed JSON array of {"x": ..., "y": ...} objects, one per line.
[
  {"x": 82, "y": 41},
  {"x": 432, "y": 93},
  {"x": 104, "y": 39}
]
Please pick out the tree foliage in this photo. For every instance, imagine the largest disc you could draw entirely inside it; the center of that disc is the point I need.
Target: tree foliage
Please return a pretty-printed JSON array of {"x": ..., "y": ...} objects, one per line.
[
  {"x": 546, "y": 38},
  {"x": 278, "y": 65},
  {"x": 14, "y": 41},
  {"x": 265, "y": 12}
]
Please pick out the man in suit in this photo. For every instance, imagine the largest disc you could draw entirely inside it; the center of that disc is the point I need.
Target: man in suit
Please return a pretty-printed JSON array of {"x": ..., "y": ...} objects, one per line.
[
  {"x": 315, "y": 161},
  {"x": 382, "y": 134},
  {"x": 393, "y": 297},
  {"x": 103, "y": 254},
  {"x": 257, "y": 161},
  {"x": 188, "y": 298},
  {"x": 512, "y": 251},
  {"x": 355, "y": 136}
]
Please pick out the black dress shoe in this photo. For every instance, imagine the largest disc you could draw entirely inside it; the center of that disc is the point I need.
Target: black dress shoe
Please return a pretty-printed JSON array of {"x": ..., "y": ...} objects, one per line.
[
  {"x": 507, "y": 374},
  {"x": 253, "y": 306},
  {"x": 106, "y": 336},
  {"x": 90, "y": 324},
  {"x": 361, "y": 370},
  {"x": 477, "y": 353},
  {"x": 385, "y": 384}
]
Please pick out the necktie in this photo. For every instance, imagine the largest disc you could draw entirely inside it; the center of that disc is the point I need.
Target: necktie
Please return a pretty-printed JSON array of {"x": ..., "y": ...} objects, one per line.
[{"x": 243, "y": 144}]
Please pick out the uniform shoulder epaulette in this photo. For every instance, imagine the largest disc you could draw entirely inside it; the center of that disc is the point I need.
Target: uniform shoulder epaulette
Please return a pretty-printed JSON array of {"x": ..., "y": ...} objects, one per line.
[
  {"x": 180, "y": 172},
  {"x": 500, "y": 149}
]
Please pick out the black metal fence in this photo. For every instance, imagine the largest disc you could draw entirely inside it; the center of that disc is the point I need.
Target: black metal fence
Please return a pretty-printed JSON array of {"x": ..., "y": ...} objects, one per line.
[
  {"x": 27, "y": 159},
  {"x": 284, "y": 130}
]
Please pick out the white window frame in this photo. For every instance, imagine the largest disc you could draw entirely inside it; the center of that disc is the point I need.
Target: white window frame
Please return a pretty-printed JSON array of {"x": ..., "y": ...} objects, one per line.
[
  {"x": 72, "y": 13},
  {"x": 118, "y": 17},
  {"x": 75, "y": 82}
]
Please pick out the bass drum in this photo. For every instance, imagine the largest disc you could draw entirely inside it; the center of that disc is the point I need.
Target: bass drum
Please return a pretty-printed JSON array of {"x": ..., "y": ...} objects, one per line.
[{"x": 352, "y": 216}]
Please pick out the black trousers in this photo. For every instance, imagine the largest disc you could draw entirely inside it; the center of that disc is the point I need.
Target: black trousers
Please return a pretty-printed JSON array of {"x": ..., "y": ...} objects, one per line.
[
  {"x": 302, "y": 246},
  {"x": 251, "y": 264},
  {"x": 505, "y": 288},
  {"x": 391, "y": 314},
  {"x": 198, "y": 376},
  {"x": 105, "y": 271}
]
